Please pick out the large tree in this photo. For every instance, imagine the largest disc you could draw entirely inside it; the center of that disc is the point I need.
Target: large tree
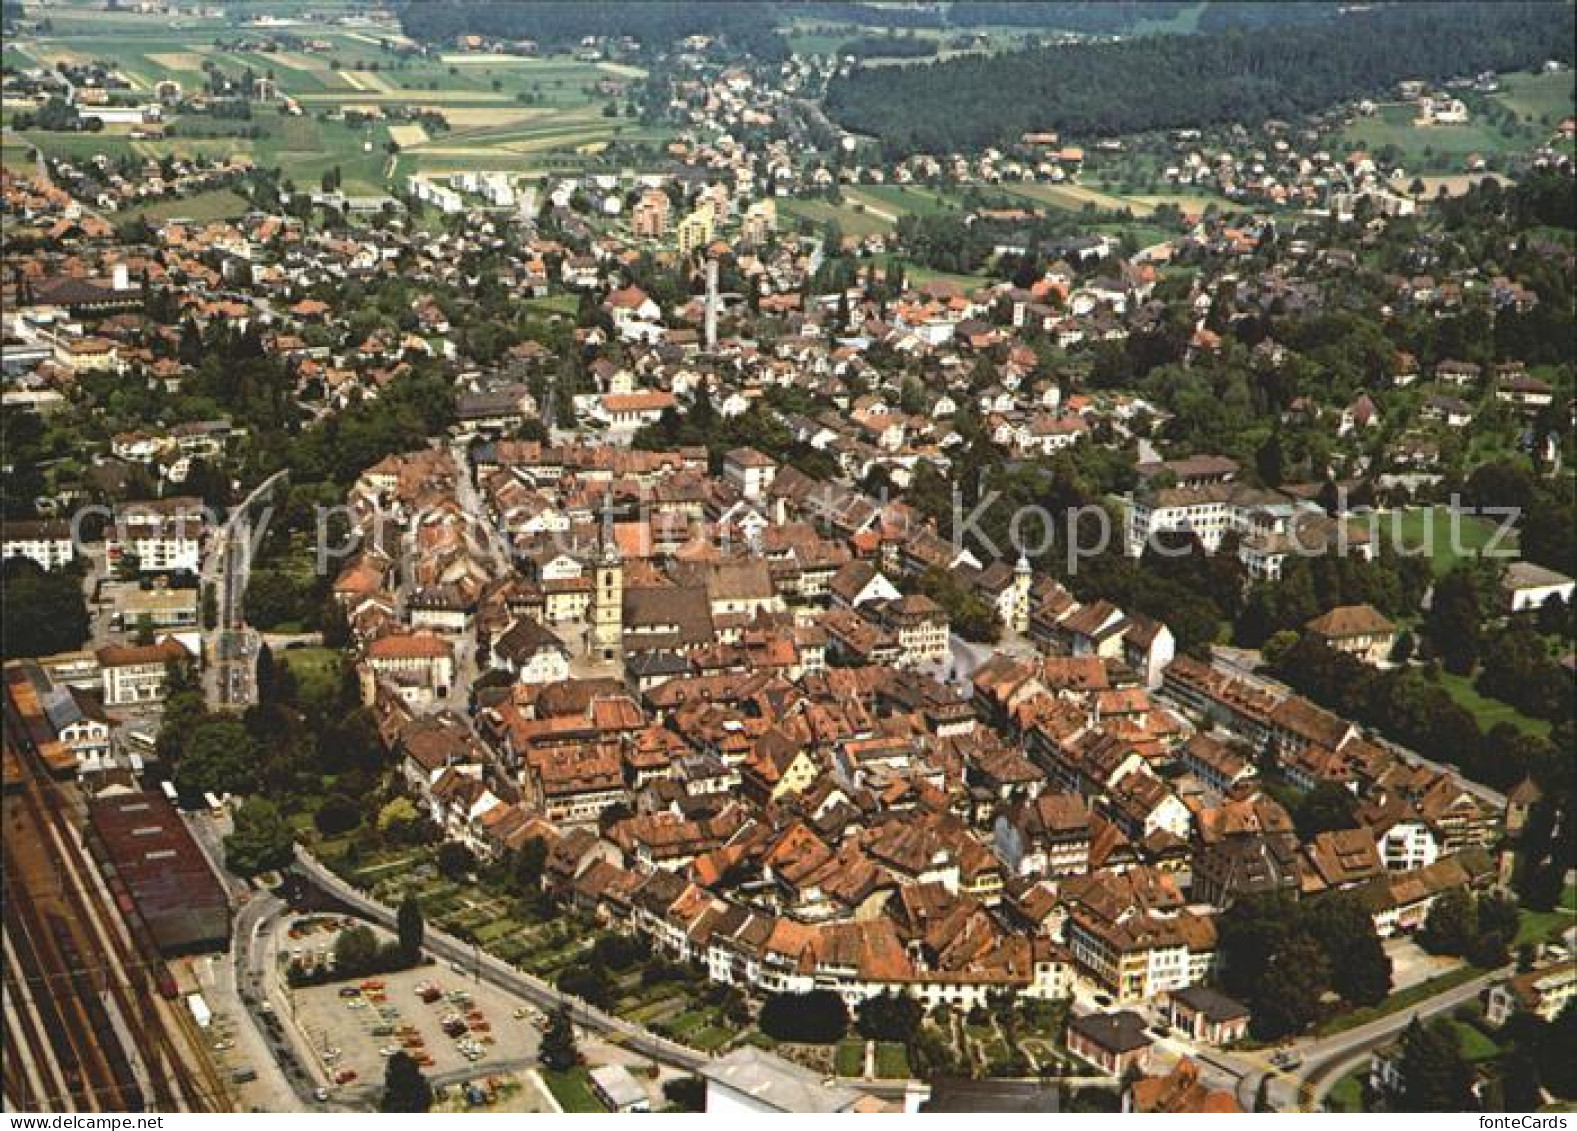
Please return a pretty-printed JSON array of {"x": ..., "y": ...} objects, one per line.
[
  {"x": 1434, "y": 1075},
  {"x": 44, "y": 611},
  {"x": 1360, "y": 968},
  {"x": 412, "y": 929},
  {"x": 261, "y": 840},
  {"x": 405, "y": 1089},
  {"x": 558, "y": 1050}
]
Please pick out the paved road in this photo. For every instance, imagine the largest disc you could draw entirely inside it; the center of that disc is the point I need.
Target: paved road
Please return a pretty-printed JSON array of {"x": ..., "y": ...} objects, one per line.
[
  {"x": 285, "y": 1073},
  {"x": 1324, "y": 1060},
  {"x": 230, "y": 678},
  {"x": 1328, "y": 1061}
]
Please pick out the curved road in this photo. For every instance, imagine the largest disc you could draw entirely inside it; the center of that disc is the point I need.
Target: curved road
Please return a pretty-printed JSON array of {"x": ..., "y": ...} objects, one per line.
[
  {"x": 229, "y": 678},
  {"x": 1342, "y": 1050},
  {"x": 1325, "y": 1060}
]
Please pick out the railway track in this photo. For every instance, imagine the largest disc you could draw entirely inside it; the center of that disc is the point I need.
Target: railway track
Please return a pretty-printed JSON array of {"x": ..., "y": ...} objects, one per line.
[{"x": 89, "y": 1019}]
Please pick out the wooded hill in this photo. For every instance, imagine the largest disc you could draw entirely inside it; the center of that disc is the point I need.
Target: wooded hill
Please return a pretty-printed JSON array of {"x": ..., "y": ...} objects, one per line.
[{"x": 1165, "y": 82}]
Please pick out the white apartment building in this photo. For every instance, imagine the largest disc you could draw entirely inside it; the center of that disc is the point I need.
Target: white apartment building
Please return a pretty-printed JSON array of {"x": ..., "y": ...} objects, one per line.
[
  {"x": 138, "y": 674},
  {"x": 163, "y": 535},
  {"x": 48, "y": 543}
]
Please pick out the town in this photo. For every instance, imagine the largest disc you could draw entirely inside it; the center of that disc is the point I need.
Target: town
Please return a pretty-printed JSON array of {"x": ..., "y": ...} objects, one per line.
[{"x": 563, "y": 560}]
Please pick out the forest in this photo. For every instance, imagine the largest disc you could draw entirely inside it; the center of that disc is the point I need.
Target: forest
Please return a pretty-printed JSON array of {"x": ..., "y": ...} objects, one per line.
[
  {"x": 551, "y": 25},
  {"x": 888, "y": 46},
  {"x": 1169, "y": 81}
]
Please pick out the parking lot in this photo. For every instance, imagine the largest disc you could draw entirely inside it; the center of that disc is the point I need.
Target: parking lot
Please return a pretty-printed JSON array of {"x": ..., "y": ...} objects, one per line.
[{"x": 455, "y": 1027}]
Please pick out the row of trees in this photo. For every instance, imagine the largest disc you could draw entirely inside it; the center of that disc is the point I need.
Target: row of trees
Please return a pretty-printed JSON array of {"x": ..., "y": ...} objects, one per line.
[{"x": 1478, "y": 928}]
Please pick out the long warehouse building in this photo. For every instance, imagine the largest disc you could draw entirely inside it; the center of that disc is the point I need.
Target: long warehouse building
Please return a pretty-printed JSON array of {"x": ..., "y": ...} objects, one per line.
[{"x": 166, "y": 874}]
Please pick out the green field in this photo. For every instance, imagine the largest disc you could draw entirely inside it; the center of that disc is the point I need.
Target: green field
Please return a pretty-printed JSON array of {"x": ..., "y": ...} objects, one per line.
[
  {"x": 918, "y": 273},
  {"x": 572, "y": 1090},
  {"x": 1545, "y": 99},
  {"x": 1411, "y": 533},
  {"x": 1435, "y": 148},
  {"x": 899, "y": 200},
  {"x": 872, "y": 209},
  {"x": 1490, "y": 712},
  {"x": 220, "y": 204}
]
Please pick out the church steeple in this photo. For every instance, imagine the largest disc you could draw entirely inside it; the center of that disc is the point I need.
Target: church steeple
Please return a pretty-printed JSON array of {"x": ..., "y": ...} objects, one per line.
[{"x": 607, "y": 602}]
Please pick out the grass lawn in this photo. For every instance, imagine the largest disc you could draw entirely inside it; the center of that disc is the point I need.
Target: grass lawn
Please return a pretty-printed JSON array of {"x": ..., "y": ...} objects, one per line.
[
  {"x": 849, "y": 1059},
  {"x": 712, "y": 1038},
  {"x": 1488, "y": 712},
  {"x": 1347, "y": 1093},
  {"x": 851, "y": 220},
  {"x": 892, "y": 1061},
  {"x": 566, "y": 304},
  {"x": 1539, "y": 926},
  {"x": 1397, "y": 1002},
  {"x": 572, "y": 1090},
  {"x": 1429, "y": 530},
  {"x": 1473, "y": 1043},
  {"x": 1544, "y": 98},
  {"x": 311, "y": 663}
]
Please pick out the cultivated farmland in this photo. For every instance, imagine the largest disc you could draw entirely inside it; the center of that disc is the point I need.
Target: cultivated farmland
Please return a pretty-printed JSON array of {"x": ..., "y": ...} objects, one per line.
[{"x": 508, "y": 112}]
